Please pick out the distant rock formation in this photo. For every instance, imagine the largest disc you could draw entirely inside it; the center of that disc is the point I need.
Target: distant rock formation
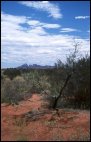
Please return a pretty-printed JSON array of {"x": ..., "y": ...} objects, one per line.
[{"x": 34, "y": 66}]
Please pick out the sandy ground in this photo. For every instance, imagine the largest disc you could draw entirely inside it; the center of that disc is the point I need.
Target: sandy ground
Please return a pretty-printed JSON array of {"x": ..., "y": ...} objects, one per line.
[{"x": 66, "y": 125}]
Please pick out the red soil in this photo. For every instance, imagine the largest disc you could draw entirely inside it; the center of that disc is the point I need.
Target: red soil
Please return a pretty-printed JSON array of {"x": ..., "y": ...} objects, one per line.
[{"x": 70, "y": 125}]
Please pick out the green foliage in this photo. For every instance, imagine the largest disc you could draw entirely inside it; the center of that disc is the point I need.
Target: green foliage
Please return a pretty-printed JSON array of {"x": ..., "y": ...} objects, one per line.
[
  {"x": 44, "y": 84},
  {"x": 50, "y": 81},
  {"x": 6, "y": 91},
  {"x": 19, "y": 83},
  {"x": 11, "y": 73},
  {"x": 36, "y": 82},
  {"x": 79, "y": 85},
  {"x": 77, "y": 91},
  {"x": 12, "y": 90}
]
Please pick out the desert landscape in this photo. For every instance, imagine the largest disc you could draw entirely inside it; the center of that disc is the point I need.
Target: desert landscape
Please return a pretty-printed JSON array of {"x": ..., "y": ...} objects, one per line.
[{"x": 45, "y": 70}]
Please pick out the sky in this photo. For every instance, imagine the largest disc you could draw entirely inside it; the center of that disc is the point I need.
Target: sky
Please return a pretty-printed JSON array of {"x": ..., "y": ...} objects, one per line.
[{"x": 41, "y": 32}]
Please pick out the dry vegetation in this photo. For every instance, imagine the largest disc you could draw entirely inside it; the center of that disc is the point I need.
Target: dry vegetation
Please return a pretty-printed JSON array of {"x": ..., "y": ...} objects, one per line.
[{"x": 47, "y": 104}]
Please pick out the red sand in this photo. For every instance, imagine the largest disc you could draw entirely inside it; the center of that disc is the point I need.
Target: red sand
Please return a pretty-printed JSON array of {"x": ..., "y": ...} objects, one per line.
[{"x": 71, "y": 125}]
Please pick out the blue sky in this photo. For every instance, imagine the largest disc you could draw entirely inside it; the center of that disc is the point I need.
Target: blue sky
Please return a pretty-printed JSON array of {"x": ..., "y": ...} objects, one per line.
[{"x": 40, "y": 32}]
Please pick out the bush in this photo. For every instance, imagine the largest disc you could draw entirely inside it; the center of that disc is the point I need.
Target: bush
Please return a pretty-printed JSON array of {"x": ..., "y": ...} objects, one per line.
[
  {"x": 79, "y": 85},
  {"x": 50, "y": 81},
  {"x": 36, "y": 82},
  {"x": 44, "y": 84},
  {"x": 6, "y": 91},
  {"x": 12, "y": 91},
  {"x": 12, "y": 72},
  {"x": 19, "y": 83}
]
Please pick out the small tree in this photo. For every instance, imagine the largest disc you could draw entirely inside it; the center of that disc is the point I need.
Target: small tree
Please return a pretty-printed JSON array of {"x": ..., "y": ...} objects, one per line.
[
  {"x": 79, "y": 85},
  {"x": 71, "y": 70}
]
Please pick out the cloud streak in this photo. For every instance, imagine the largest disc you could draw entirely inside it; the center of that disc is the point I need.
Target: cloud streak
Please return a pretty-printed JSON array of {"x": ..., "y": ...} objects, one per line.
[
  {"x": 46, "y": 6},
  {"x": 66, "y": 30},
  {"x": 82, "y": 17}
]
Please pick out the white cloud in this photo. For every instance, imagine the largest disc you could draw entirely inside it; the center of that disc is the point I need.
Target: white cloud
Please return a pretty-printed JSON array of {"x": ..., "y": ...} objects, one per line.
[
  {"x": 38, "y": 31},
  {"x": 13, "y": 19},
  {"x": 47, "y": 6},
  {"x": 63, "y": 30},
  {"x": 33, "y": 45},
  {"x": 45, "y": 25},
  {"x": 82, "y": 17},
  {"x": 52, "y": 26},
  {"x": 33, "y": 22}
]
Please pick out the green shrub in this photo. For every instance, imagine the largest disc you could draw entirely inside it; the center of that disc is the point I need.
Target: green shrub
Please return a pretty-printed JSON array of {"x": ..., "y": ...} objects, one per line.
[
  {"x": 6, "y": 91},
  {"x": 36, "y": 82},
  {"x": 19, "y": 83},
  {"x": 12, "y": 90}
]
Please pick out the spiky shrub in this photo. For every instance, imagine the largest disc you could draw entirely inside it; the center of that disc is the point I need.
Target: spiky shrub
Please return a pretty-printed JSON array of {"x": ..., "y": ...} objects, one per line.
[
  {"x": 19, "y": 87},
  {"x": 19, "y": 83},
  {"x": 44, "y": 84},
  {"x": 12, "y": 91},
  {"x": 31, "y": 81},
  {"x": 6, "y": 91},
  {"x": 36, "y": 82}
]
